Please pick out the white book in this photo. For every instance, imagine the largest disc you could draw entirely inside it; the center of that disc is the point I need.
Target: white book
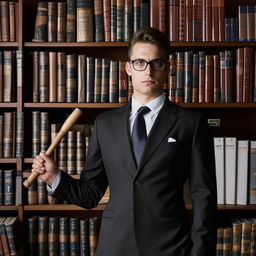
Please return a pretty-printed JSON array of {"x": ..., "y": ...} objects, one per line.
[
  {"x": 253, "y": 173},
  {"x": 242, "y": 172},
  {"x": 230, "y": 169},
  {"x": 219, "y": 151}
]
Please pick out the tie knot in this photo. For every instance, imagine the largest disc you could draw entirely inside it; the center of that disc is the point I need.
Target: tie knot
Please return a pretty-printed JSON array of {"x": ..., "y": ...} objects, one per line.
[{"x": 143, "y": 110}]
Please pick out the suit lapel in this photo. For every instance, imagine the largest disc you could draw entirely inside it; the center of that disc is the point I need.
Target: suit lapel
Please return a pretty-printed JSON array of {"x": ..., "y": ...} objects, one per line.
[
  {"x": 121, "y": 127},
  {"x": 166, "y": 119}
]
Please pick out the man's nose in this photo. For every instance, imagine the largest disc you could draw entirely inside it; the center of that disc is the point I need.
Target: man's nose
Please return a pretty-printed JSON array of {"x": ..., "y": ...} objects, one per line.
[{"x": 148, "y": 69}]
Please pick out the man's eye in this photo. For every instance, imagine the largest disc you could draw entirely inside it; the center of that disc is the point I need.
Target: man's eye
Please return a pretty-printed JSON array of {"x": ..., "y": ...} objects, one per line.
[{"x": 140, "y": 62}]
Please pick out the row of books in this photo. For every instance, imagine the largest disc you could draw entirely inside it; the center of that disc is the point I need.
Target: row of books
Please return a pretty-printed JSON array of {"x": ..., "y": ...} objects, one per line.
[
  {"x": 247, "y": 25},
  {"x": 71, "y": 152},
  {"x": 11, "y": 134},
  {"x": 229, "y": 76},
  {"x": 58, "y": 77},
  {"x": 8, "y": 21},
  {"x": 53, "y": 236},
  {"x": 87, "y": 20},
  {"x": 37, "y": 194},
  {"x": 8, "y": 235},
  {"x": 7, "y": 187},
  {"x": 7, "y": 75},
  {"x": 235, "y": 170},
  {"x": 238, "y": 238}
]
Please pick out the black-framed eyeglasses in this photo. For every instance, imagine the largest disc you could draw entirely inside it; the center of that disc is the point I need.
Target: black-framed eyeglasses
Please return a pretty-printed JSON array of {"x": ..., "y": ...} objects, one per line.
[{"x": 141, "y": 64}]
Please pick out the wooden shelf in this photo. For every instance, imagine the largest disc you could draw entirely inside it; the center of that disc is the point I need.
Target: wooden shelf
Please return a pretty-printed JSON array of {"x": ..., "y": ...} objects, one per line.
[
  {"x": 9, "y": 208},
  {"x": 73, "y": 105},
  {"x": 8, "y": 104},
  {"x": 8, "y": 160},
  {"x": 212, "y": 44},
  {"x": 237, "y": 207},
  {"x": 125, "y": 44},
  {"x": 76, "y": 44},
  {"x": 9, "y": 44},
  {"x": 117, "y": 105},
  {"x": 61, "y": 207}
]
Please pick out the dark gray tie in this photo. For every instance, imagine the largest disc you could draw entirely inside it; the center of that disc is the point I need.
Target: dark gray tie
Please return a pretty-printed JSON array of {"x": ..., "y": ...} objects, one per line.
[{"x": 139, "y": 134}]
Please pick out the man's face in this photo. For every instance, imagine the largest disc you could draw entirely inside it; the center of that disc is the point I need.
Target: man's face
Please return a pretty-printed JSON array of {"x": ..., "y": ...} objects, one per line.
[{"x": 147, "y": 83}]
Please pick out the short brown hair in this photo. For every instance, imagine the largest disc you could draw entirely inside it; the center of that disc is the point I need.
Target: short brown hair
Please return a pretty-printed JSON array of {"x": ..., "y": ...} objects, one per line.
[{"x": 152, "y": 36}]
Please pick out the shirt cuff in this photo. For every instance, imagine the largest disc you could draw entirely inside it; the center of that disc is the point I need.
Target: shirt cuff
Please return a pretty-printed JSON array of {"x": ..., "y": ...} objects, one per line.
[{"x": 55, "y": 184}]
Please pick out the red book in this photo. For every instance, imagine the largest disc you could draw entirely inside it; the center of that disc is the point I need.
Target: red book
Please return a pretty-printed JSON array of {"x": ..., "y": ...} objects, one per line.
[
  {"x": 162, "y": 16},
  {"x": 209, "y": 78},
  {"x": 215, "y": 20},
  {"x": 247, "y": 75},
  {"x": 154, "y": 14},
  {"x": 173, "y": 20},
  {"x": 182, "y": 19},
  {"x": 221, "y": 20},
  {"x": 239, "y": 74},
  {"x": 189, "y": 17},
  {"x": 208, "y": 20}
]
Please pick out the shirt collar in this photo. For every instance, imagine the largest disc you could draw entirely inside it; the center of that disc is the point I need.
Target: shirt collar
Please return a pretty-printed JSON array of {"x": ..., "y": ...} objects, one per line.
[{"x": 155, "y": 105}]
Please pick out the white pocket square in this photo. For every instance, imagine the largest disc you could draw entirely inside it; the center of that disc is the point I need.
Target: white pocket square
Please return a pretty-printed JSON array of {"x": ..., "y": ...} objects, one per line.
[{"x": 171, "y": 140}]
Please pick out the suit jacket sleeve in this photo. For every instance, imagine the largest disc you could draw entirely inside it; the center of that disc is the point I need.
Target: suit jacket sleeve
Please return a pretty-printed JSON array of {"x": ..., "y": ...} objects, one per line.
[
  {"x": 203, "y": 191},
  {"x": 89, "y": 189}
]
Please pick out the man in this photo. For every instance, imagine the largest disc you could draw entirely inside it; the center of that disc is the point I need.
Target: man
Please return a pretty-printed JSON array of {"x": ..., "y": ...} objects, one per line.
[{"x": 146, "y": 214}]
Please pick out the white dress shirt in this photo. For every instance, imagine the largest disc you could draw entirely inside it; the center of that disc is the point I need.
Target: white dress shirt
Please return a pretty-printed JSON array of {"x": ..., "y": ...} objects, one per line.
[{"x": 155, "y": 105}]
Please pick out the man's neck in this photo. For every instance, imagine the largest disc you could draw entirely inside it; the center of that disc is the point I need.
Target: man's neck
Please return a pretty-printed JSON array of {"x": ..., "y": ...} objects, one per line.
[{"x": 145, "y": 99}]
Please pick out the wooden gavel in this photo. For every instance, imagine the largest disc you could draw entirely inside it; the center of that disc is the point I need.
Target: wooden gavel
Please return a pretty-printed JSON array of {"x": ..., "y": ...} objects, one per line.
[{"x": 63, "y": 130}]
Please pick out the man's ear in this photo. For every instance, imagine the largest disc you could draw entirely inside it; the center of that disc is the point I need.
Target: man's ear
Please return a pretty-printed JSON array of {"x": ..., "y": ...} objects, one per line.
[{"x": 128, "y": 68}]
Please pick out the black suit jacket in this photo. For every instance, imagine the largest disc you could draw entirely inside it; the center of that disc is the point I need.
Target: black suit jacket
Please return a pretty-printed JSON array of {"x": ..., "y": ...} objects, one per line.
[{"x": 146, "y": 214}]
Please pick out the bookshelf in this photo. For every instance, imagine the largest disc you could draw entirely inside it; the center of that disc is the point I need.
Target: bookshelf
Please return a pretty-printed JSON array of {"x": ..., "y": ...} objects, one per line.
[{"x": 237, "y": 119}]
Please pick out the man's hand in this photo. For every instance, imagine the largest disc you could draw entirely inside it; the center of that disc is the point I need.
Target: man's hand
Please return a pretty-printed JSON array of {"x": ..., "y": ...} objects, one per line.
[{"x": 46, "y": 167}]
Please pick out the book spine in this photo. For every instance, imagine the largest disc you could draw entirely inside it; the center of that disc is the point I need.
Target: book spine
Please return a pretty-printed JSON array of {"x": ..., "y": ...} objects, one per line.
[
  {"x": 247, "y": 74},
  {"x": 62, "y": 156},
  {"x": 71, "y": 21},
  {"x": 179, "y": 96},
  {"x": 52, "y": 76},
  {"x": 173, "y": 20},
  {"x": 120, "y": 20},
  {"x": 123, "y": 84},
  {"x": 90, "y": 64},
  {"x": 40, "y": 32},
  {"x": 5, "y": 26},
  {"x": 12, "y": 21},
  {"x": 113, "y": 20},
  {"x": 188, "y": 76},
  {"x": 53, "y": 236},
  {"x": 61, "y": 77},
  {"x": 61, "y": 21},
  {"x": 35, "y": 76},
  {"x": 93, "y": 236},
  {"x": 71, "y": 152},
  {"x": 33, "y": 194},
  {"x": 52, "y": 22},
  {"x": 8, "y": 135},
  {"x": 105, "y": 81},
  {"x": 80, "y": 152},
  {"x": 8, "y": 76},
  {"x": 84, "y": 21},
  {"x": 63, "y": 236},
  {"x": 195, "y": 80},
  {"x": 216, "y": 78},
  {"x": 71, "y": 78},
  {"x": 98, "y": 17},
  {"x": 33, "y": 235},
  {"x": 43, "y": 76},
  {"x": 42, "y": 193},
  {"x": 8, "y": 187},
  {"x": 74, "y": 236},
  {"x": 136, "y": 15},
  {"x": 36, "y": 141},
  {"x": 113, "y": 82},
  {"x": 81, "y": 82},
  {"x": 128, "y": 20},
  {"x": 242, "y": 17},
  {"x": 83, "y": 235},
  {"x": 42, "y": 236},
  {"x": 1, "y": 77},
  {"x": 44, "y": 131},
  {"x": 106, "y": 17},
  {"x": 98, "y": 80},
  {"x": 252, "y": 173},
  {"x": 19, "y": 134},
  {"x": 172, "y": 77}
]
